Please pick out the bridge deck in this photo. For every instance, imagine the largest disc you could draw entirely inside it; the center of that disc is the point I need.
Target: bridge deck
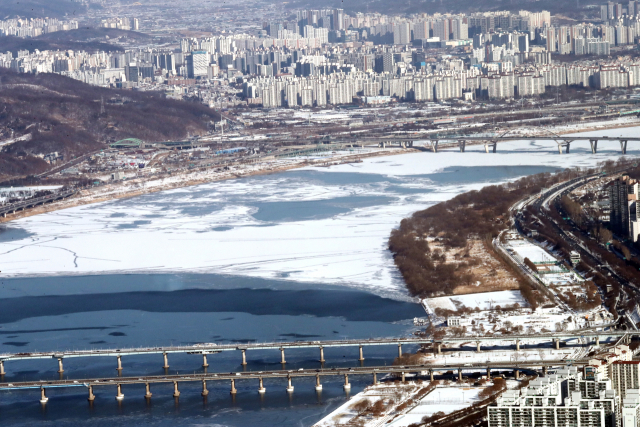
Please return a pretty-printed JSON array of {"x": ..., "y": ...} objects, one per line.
[
  {"x": 214, "y": 348},
  {"x": 407, "y": 369}
]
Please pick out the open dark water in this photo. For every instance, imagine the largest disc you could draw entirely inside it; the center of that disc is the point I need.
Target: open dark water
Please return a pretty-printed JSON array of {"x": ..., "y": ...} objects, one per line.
[{"x": 172, "y": 310}]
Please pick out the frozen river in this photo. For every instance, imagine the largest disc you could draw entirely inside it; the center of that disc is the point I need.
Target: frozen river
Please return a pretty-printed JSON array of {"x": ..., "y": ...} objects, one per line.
[{"x": 294, "y": 255}]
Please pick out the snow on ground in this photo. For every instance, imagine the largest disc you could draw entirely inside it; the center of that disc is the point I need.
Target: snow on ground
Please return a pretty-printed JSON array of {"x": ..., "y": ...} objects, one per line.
[
  {"x": 525, "y": 249},
  {"x": 320, "y": 228},
  {"x": 446, "y": 398},
  {"x": 550, "y": 274},
  {"x": 491, "y": 353},
  {"x": 442, "y": 399},
  {"x": 483, "y": 301}
]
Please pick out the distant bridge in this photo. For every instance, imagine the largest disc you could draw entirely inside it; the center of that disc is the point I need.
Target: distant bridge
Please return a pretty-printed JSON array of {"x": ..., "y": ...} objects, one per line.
[
  {"x": 288, "y": 375},
  {"x": 206, "y": 349},
  {"x": 30, "y": 203},
  {"x": 491, "y": 142}
]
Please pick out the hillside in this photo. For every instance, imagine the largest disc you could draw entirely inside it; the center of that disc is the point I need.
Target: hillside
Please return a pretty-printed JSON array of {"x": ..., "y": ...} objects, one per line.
[
  {"x": 63, "y": 115},
  {"x": 87, "y": 39},
  {"x": 90, "y": 34},
  {"x": 14, "y": 44}
]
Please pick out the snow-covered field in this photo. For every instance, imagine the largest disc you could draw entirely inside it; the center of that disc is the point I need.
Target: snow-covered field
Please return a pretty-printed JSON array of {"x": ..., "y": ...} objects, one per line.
[
  {"x": 446, "y": 398},
  {"x": 317, "y": 225},
  {"x": 442, "y": 399},
  {"x": 483, "y": 301}
]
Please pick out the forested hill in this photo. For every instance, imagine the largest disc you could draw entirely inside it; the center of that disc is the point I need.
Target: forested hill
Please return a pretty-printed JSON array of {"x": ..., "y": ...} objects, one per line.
[
  {"x": 86, "y": 38},
  {"x": 64, "y": 115},
  {"x": 14, "y": 44}
]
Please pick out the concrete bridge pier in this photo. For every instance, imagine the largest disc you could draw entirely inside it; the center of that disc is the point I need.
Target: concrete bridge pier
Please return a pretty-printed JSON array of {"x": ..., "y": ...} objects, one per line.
[
  {"x": 147, "y": 393},
  {"x": 204, "y": 360},
  {"x": 493, "y": 145},
  {"x": 375, "y": 379},
  {"x": 321, "y": 355},
  {"x": 2, "y": 373},
  {"x": 361, "y": 359},
  {"x": 557, "y": 343},
  {"x": 60, "y": 367},
  {"x": 459, "y": 374},
  {"x": 261, "y": 388},
  {"x": 565, "y": 144},
  {"x": 176, "y": 392},
  {"x": 434, "y": 145},
  {"x": 489, "y": 373},
  {"x": 119, "y": 368},
  {"x": 431, "y": 375},
  {"x": 516, "y": 373},
  {"x": 597, "y": 341},
  {"x": 462, "y": 144},
  {"x": 478, "y": 349},
  {"x": 244, "y": 357},
  {"x": 318, "y": 385},
  {"x": 623, "y": 146},
  {"x": 289, "y": 385},
  {"x": 166, "y": 361},
  {"x": 399, "y": 350},
  {"x": 233, "y": 387},
  {"x": 403, "y": 379},
  {"x": 438, "y": 347},
  {"x": 205, "y": 392},
  {"x": 594, "y": 145},
  {"x": 43, "y": 397},
  {"x": 346, "y": 385},
  {"x": 544, "y": 371},
  {"x": 282, "y": 359},
  {"x": 91, "y": 397},
  {"x": 517, "y": 345},
  {"x": 119, "y": 395}
]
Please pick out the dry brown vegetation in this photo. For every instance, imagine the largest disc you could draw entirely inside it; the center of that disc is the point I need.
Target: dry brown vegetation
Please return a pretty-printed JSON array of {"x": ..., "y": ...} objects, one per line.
[
  {"x": 64, "y": 115},
  {"x": 478, "y": 215},
  {"x": 433, "y": 248}
]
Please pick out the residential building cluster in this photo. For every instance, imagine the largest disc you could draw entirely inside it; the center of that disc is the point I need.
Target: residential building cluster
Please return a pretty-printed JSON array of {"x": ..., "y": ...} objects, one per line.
[
  {"x": 613, "y": 11},
  {"x": 122, "y": 23},
  {"x": 34, "y": 27},
  {"x": 448, "y": 80},
  {"x": 604, "y": 394},
  {"x": 328, "y": 57},
  {"x": 624, "y": 218}
]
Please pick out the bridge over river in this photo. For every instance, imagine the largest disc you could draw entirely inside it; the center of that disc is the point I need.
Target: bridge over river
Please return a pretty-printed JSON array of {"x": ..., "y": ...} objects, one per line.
[
  {"x": 490, "y": 142},
  {"x": 400, "y": 372},
  {"x": 210, "y": 348}
]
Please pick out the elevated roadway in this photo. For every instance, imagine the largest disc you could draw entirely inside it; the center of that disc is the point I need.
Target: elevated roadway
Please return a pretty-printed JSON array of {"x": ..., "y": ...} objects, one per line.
[
  {"x": 288, "y": 375},
  {"x": 490, "y": 141},
  {"x": 206, "y": 349},
  {"x": 30, "y": 203}
]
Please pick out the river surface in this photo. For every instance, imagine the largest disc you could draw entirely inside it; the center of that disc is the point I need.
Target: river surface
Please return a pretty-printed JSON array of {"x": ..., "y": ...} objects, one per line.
[{"x": 299, "y": 255}]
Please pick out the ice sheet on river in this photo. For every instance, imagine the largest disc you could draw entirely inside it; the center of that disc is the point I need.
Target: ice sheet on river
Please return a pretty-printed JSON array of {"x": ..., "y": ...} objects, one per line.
[{"x": 321, "y": 225}]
